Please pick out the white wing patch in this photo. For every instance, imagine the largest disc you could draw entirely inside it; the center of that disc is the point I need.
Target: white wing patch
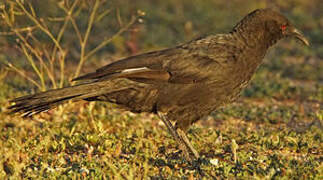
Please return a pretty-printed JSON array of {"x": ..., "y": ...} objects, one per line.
[{"x": 134, "y": 70}]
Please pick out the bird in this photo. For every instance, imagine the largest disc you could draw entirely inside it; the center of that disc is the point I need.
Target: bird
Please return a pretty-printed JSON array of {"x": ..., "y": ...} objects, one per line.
[{"x": 181, "y": 84}]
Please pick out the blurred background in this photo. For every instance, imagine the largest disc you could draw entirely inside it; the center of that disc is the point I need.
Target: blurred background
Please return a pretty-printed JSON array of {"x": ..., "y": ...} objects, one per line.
[
  {"x": 166, "y": 23},
  {"x": 45, "y": 43}
]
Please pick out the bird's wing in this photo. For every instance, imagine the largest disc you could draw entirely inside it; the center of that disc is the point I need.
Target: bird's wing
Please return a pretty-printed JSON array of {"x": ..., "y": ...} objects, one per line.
[
  {"x": 142, "y": 63},
  {"x": 192, "y": 62}
]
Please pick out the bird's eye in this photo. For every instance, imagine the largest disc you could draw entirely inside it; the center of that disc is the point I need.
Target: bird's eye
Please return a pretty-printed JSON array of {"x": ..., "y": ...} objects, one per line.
[{"x": 283, "y": 27}]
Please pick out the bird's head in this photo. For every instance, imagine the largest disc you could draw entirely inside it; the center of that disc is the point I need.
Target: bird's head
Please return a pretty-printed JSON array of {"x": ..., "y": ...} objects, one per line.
[
  {"x": 277, "y": 22},
  {"x": 273, "y": 24}
]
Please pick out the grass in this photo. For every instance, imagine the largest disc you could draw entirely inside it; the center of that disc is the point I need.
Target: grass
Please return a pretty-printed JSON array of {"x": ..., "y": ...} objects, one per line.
[{"x": 274, "y": 131}]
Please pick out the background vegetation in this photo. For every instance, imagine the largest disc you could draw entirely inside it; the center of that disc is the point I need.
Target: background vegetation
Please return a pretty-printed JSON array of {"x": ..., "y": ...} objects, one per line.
[{"x": 274, "y": 131}]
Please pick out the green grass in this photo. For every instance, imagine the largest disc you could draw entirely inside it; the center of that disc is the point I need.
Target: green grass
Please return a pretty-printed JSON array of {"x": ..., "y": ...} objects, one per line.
[
  {"x": 274, "y": 140},
  {"x": 274, "y": 129}
]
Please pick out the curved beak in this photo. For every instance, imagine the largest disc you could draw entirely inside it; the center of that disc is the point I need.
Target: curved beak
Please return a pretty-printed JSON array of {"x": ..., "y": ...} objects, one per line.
[{"x": 296, "y": 33}]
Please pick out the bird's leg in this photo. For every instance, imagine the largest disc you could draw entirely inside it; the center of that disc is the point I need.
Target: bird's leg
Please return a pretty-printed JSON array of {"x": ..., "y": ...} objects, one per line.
[
  {"x": 187, "y": 142},
  {"x": 177, "y": 137}
]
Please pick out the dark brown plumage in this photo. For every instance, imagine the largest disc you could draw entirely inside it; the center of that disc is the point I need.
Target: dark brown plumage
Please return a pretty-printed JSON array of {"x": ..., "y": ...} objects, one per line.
[{"x": 180, "y": 84}]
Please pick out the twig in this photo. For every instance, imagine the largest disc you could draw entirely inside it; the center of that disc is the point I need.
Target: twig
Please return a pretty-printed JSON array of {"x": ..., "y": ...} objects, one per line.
[
  {"x": 107, "y": 41},
  {"x": 24, "y": 29},
  {"x": 100, "y": 16},
  {"x": 86, "y": 37},
  {"x": 41, "y": 27},
  {"x": 22, "y": 73},
  {"x": 31, "y": 61},
  {"x": 59, "y": 37},
  {"x": 25, "y": 42}
]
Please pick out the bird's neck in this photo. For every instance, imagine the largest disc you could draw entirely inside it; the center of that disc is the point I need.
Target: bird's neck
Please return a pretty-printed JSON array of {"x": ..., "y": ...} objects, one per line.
[
  {"x": 254, "y": 42},
  {"x": 255, "y": 36}
]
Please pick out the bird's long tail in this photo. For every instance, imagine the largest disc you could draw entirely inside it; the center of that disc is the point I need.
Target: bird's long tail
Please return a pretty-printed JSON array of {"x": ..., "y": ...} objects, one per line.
[{"x": 36, "y": 103}]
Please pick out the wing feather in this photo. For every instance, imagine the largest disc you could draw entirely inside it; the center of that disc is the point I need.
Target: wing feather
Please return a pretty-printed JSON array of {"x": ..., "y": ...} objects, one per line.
[{"x": 192, "y": 62}]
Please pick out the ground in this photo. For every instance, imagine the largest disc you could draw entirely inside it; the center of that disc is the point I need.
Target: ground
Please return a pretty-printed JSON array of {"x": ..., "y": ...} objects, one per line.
[{"x": 273, "y": 131}]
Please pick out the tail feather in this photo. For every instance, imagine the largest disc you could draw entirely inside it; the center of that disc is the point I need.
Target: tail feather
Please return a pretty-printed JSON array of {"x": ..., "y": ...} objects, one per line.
[{"x": 44, "y": 101}]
